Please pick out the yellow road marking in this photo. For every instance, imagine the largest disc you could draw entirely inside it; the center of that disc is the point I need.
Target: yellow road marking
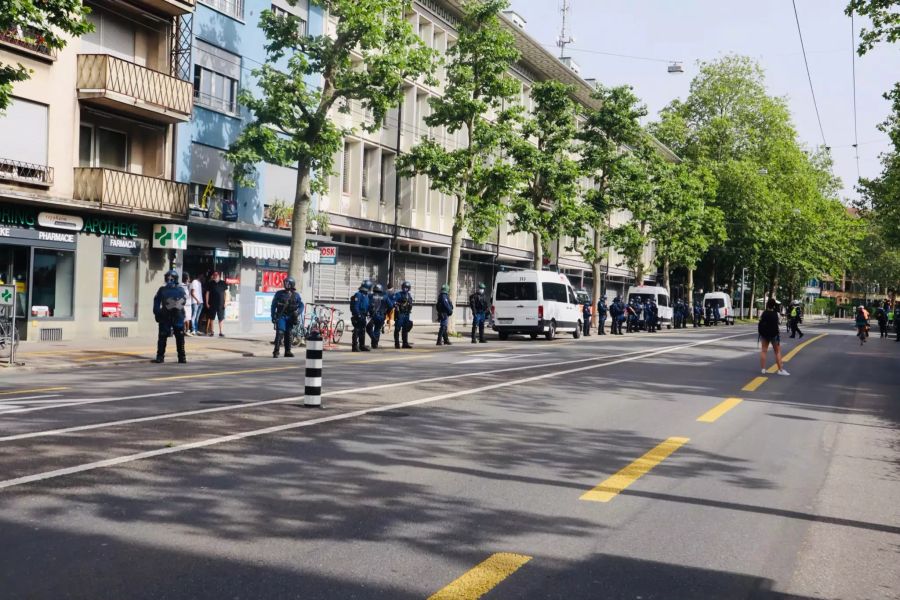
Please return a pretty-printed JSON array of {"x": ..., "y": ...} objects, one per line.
[
  {"x": 482, "y": 578},
  {"x": 223, "y": 373},
  {"x": 787, "y": 357},
  {"x": 46, "y": 389},
  {"x": 611, "y": 487},
  {"x": 754, "y": 383},
  {"x": 718, "y": 410}
]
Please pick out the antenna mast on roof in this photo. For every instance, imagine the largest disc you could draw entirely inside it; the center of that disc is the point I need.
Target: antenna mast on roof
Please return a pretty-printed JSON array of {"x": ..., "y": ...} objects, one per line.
[{"x": 564, "y": 39}]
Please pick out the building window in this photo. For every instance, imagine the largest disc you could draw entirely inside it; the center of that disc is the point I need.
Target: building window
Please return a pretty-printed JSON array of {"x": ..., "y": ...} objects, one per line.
[
  {"x": 118, "y": 294},
  {"x": 368, "y": 160},
  {"x": 345, "y": 170},
  {"x": 232, "y": 8},
  {"x": 386, "y": 161},
  {"x": 102, "y": 147},
  {"x": 213, "y": 202},
  {"x": 53, "y": 283},
  {"x": 214, "y": 90},
  {"x": 302, "y": 26}
]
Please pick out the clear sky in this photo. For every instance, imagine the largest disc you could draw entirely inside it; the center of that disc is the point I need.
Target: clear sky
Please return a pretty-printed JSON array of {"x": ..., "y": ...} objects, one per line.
[{"x": 691, "y": 30}]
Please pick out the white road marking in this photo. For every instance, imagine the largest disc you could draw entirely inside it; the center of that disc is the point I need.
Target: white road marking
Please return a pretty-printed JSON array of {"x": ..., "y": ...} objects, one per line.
[
  {"x": 497, "y": 358},
  {"x": 119, "y": 460},
  {"x": 33, "y": 398},
  {"x": 63, "y": 403},
  {"x": 381, "y": 386}
]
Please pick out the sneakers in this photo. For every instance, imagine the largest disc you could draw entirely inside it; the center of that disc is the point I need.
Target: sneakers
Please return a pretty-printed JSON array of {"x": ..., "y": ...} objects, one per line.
[
  {"x": 763, "y": 371},
  {"x": 783, "y": 372}
]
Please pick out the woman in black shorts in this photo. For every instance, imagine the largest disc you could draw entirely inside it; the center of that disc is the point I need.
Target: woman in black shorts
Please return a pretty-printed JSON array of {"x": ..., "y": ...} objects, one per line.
[{"x": 768, "y": 334}]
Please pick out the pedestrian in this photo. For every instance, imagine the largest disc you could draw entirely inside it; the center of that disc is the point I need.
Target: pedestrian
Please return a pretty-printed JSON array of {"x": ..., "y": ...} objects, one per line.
[
  {"x": 444, "y": 307},
  {"x": 168, "y": 309},
  {"x": 795, "y": 317},
  {"x": 287, "y": 306},
  {"x": 216, "y": 295},
  {"x": 480, "y": 307},
  {"x": 359, "y": 312},
  {"x": 862, "y": 324},
  {"x": 189, "y": 305},
  {"x": 881, "y": 315},
  {"x": 403, "y": 302},
  {"x": 196, "y": 296},
  {"x": 602, "y": 310},
  {"x": 379, "y": 306},
  {"x": 768, "y": 330}
]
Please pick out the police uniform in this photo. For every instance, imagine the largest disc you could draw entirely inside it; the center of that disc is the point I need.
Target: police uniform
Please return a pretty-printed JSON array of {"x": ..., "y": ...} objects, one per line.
[
  {"x": 795, "y": 315},
  {"x": 478, "y": 304},
  {"x": 287, "y": 306},
  {"x": 359, "y": 312},
  {"x": 602, "y": 311},
  {"x": 444, "y": 311},
  {"x": 403, "y": 302},
  {"x": 698, "y": 314},
  {"x": 168, "y": 309},
  {"x": 379, "y": 306}
]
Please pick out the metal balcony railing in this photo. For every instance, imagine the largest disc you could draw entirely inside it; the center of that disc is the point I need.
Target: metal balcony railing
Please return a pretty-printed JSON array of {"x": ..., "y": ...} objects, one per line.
[
  {"x": 15, "y": 170},
  {"x": 120, "y": 190},
  {"x": 140, "y": 86},
  {"x": 29, "y": 39}
]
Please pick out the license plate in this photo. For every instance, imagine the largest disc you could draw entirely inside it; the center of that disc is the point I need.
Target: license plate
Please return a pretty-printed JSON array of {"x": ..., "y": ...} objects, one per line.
[{"x": 505, "y": 320}]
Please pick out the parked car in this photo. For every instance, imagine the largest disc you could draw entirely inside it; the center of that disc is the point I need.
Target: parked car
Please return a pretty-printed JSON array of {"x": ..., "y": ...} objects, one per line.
[{"x": 535, "y": 303}]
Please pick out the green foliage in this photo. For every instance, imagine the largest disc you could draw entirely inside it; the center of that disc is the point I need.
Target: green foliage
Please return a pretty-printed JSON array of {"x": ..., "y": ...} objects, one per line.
[
  {"x": 882, "y": 194},
  {"x": 306, "y": 78},
  {"x": 49, "y": 22},
  {"x": 885, "y": 17},
  {"x": 546, "y": 204}
]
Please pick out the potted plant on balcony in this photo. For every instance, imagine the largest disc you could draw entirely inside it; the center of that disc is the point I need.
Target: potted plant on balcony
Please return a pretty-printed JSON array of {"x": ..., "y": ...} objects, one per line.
[{"x": 280, "y": 213}]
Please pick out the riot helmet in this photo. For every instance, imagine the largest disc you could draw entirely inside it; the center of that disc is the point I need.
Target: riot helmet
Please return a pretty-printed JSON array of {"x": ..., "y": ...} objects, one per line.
[
  {"x": 481, "y": 288},
  {"x": 171, "y": 278},
  {"x": 289, "y": 283},
  {"x": 365, "y": 286},
  {"x": 445, "y": 289},
  {"x": 377, "y": 289},
  {"x": 405, "y": 286}
]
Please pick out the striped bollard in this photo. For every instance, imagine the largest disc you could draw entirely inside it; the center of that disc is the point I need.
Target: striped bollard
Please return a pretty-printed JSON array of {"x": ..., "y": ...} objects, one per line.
[{"x": 312, "y": 395}]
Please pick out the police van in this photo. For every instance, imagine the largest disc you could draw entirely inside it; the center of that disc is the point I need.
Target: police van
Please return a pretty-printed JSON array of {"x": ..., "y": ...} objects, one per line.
[
  {"x": 535, "y": 303},
  {"x": 723, "y": 302},
  {"x": 658, "y": 295}
]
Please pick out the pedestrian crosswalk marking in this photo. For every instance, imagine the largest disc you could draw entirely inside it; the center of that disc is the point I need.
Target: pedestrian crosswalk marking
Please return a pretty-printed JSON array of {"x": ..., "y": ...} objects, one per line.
[
  {"x": 713, "y": 414},
  {"x": 482, "y": 578},
  {"x": 612, "y": 486}
]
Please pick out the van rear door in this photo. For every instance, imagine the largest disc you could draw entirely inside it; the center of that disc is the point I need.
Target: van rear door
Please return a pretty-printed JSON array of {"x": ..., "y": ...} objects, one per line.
[{"x": 516, "y": 303}]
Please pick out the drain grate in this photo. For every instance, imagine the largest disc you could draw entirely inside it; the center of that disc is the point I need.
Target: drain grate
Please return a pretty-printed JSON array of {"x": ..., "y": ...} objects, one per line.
[
  {"x": 51, "y": 334},
  {"x": 118, "y": 332}
]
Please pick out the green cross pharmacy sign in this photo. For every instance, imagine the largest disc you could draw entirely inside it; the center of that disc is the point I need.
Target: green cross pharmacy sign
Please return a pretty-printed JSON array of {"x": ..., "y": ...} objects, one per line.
[
  {"x": 170, "y": 236},
  {"x": 7, "y": 295}
]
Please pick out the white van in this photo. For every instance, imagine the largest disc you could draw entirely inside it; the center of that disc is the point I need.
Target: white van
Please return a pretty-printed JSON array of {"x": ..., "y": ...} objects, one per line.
[
  {"x": 723, "y": 301},
  {"x": 535, "y": 303},
  {"x": 657, "y": 294}
]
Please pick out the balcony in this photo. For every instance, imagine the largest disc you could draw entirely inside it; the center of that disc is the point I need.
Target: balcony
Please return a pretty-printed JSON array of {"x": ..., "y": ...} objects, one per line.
[
  {"x": 28, "y": 173},
  {"x": 110, "y": 82},
  {"x": 28, "y": 42},
  {"x": 172, "y": 8},
  {"x": 127, "y": 192}
]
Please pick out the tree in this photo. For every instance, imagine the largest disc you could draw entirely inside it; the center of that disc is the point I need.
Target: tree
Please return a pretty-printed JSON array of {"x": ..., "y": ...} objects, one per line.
[
  {"x": 45, "y": 23},
  {"x": 477, "y": 99},
  {"x": 633, "y": 190},
  {"x": 545, "y": 205},
  {"x": 885, "y": 16},
  {"x": 607, "y": 132},
  {"x": 882, "y": 194},
  {"x": 306, "y": 77}
]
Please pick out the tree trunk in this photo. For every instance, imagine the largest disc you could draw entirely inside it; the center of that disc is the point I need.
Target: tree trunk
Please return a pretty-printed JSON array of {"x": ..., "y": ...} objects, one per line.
[
  {"x": 665, "y": 269},
  {"x": 538, "y": 250},
  {"x": 302, "y": 200},
  {"x": 752, "y": 295},
  {"x": 690, "y": 288},
  {"x": 712, "y": 276},
  {"x": 455, "y": 250},
  {"x": 596, "y": 289}
]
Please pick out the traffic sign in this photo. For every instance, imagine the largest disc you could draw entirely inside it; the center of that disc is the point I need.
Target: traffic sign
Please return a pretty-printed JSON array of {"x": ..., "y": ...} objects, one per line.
[
  {"x": 7, "y": 295},
  {"x": 327, "y": 255},
  {"x": 170, "y": 236}
]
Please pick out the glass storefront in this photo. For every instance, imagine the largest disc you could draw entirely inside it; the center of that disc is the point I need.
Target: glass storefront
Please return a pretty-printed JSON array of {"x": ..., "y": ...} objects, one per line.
[
  {"x": 119, "y": 287},
  {"x": 203, "y": 261},
  {"x": 53, "y": 283},
  {"x": 14, "y": 270}
]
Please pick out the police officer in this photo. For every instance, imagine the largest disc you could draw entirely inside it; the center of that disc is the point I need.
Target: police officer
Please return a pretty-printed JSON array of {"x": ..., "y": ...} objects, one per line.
[
  {"x": 359, "y": 311},
  {"x": 586, "y": 312},
  {"x": 881, "y": 314},
  {"x": 286, "y": 309},
  {"x": 403, "y": 302},
  {"x": 379, "y": 306},
  {"x": 698, "y": 313},
  {"x": 444, "y": 311},
  {"x": 478, "y": 304},
  {"x": 632, "y": 316},
  {"x": 717, "y": 316},
  {"x": 602, "y": 311},
  {"x": 795, "y": 317},
  {"x": 168, "y": 309},
  {"x": 678, "y": 314},
  {"x": 616, "y": 315},
  {"x": 654, "y": 315}
]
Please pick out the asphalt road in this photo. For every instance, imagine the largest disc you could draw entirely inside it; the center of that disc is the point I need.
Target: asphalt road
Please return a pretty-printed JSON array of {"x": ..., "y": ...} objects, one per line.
[{"x": 644, "y": 466}]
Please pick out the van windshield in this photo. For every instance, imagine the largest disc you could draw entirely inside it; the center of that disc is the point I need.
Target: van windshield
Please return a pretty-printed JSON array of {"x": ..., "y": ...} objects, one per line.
[
  {"x": 516, "y": 291},
  {"x": 715, "y": 303},
  {"x": 643, "y": 298}
]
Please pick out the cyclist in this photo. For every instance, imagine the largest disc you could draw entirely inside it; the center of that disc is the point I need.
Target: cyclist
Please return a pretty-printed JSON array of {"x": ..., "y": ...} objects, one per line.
[
  {"x": 286, "y": 308},
  {"x": 862, "y": 324}
]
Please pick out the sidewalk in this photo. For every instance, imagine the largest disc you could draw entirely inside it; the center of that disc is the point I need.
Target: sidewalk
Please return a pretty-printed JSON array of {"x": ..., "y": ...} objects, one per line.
[{"x": 46, "y": 356}]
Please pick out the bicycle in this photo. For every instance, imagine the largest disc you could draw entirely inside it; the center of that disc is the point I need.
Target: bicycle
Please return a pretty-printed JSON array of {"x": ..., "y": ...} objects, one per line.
[
  {"x": 327, "y": 321},
  {"x": 9, "y": 337}
]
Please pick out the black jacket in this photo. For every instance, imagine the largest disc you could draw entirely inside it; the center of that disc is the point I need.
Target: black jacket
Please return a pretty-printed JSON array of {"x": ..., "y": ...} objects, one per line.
[{"x": 768, "y": 324}]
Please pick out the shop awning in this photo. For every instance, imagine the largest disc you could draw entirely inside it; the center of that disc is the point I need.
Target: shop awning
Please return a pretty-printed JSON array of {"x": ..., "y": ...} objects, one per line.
[{"x": 267, "y": 251}]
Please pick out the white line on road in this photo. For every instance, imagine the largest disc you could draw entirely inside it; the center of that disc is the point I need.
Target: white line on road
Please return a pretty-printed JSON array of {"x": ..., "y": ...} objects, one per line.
[
  {"x": 65, "y": 403},
  {"x": 333, "y": 393},
  {"x": 496, "y": 358},
  {"x": 111, "y": 462},
  {"x": 32, "y": 398}
]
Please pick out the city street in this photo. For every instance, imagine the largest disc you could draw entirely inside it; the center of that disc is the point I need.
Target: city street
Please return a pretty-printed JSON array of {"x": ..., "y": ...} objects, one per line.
[{"x": 642, "y": 466}]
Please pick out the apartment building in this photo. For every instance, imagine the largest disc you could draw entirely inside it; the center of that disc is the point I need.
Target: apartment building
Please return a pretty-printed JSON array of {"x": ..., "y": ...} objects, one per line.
[{"x": 86, "y": 170}]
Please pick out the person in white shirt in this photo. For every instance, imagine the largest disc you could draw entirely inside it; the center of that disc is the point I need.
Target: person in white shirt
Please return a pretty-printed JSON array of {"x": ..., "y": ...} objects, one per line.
[
  {"x": 189, "y": 305},
  {"x": 196, "y": 297}
]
